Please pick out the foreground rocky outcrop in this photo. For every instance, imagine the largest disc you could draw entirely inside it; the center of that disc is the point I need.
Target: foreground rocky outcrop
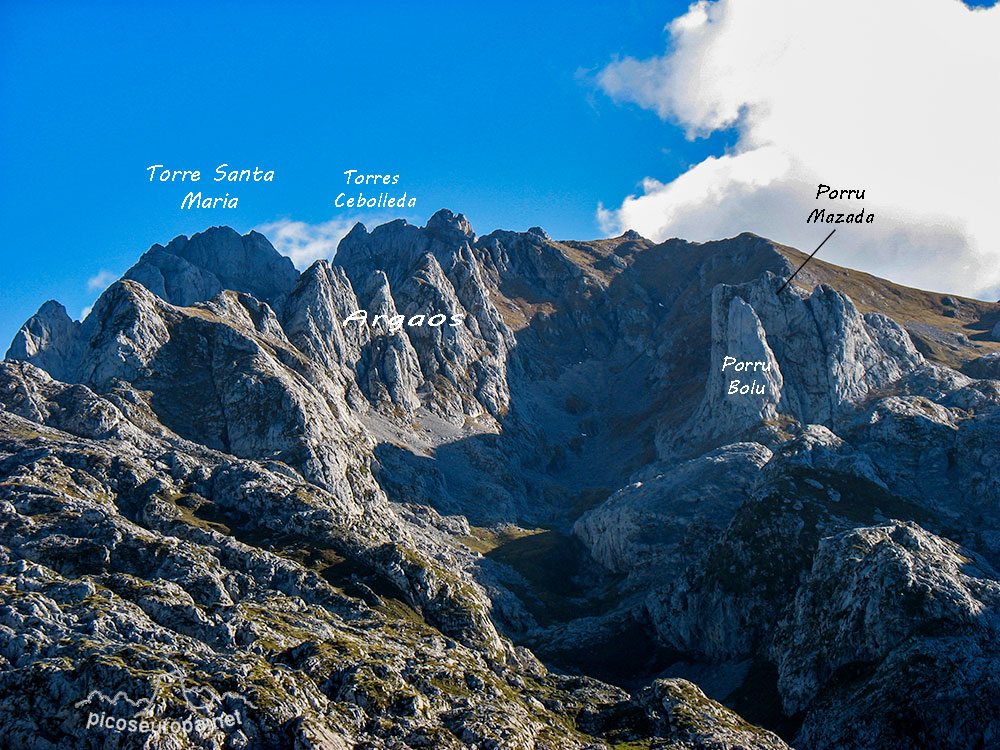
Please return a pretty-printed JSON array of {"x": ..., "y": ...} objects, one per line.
[{"x": 237, "y": 512}]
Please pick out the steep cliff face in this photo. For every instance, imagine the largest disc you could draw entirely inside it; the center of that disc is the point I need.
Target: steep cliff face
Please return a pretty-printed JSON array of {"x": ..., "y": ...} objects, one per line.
[
  {"x": 319, "y": 304},
  {"x": 418, "y": 273},
  {"x": 890, "y": 600},
  {"x": 819, "y": 357},
  {"x": 235, "y": 487},
  {"x": 222, "y": 374},
  {"x": 869, "y": 590},
  {"x": 50, "y": 339},
  {"x": 196, "y": 269},
  {"x": 646, "y": 526}
]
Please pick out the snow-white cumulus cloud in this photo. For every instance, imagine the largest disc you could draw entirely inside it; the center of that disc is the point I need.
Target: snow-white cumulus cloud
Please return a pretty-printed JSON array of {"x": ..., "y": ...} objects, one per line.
[
  {"x": 898, "y": 97},
  {"x": 101, "y": 280},
  {"x": 305, "y": 243}
]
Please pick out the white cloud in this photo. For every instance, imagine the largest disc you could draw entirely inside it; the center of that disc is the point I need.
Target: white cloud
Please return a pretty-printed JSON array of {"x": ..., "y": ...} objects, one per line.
[
  {"x": 98, "y": 283},
  {"x": 305, "y": 243},
  {"x": 101, "y": 281},
  {"x": 896, "y": 96}
]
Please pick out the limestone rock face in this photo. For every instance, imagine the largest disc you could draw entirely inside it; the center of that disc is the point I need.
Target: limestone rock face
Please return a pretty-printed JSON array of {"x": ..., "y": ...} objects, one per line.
[
  {"x": 398, "y": 245},
  {"x": 822, "y": 358},
  {"x": 679, "y": 715},
  {"x": 737, "y": 334},
  {"x": 246, "y": 389},
  {"x": 49, "y": 338},
  {"x": 196, "y": 269},
  {"x": 682, "y": 712},
  {"x": 890, "y": 598},
  {"x": 528, "y": 256},
  {"x": 321, "y": 301},
  {"x": 388, "y": 366},
  {"x": 836, "y": 354},
  {"x": 109, "y": 561},
  {"x": 869, "y": 590},
  {"x": 123, "y": 333},
  {"x": 420, "y": 273},
  {"x": 234, "y": 488},
  {"x": 987, "y": 366},
  {"x": 643, "y": 527},
  {"x": 173, "y": 278}
]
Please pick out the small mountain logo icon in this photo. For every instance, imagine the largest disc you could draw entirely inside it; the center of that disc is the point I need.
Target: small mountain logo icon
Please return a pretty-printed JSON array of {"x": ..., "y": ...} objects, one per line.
[{"x": 201, "y": 700}]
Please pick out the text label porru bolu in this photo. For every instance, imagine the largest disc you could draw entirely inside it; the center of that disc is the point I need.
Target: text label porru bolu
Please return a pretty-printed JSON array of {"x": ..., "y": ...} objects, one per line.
[{"x": 754, "y": 387}]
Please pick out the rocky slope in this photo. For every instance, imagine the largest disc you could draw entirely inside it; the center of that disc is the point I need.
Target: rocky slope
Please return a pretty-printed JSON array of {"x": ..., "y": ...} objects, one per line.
[{"x": 512, "y": 504}]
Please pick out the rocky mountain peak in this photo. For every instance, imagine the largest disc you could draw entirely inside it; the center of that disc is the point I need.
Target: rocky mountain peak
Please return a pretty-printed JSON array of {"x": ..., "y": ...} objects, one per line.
[
  {"x": 195, "y": 269},
  {"x": 447, "y": 222},
  {"x": 48, "y": 338},
  {"x": 358, "y": 231},
  {"x": 377, "y": 294},
  {"x": 813, "y": 356}
]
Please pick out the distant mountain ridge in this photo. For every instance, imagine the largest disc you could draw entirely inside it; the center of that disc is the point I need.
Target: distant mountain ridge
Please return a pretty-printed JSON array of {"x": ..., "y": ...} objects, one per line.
[{"x": 226, "y": 478}]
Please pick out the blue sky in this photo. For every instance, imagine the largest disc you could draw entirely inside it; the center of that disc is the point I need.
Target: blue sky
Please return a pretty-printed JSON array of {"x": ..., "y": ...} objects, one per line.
[
  {"x": 491, "y": 111},
  {"x": 486, "y": 111}
]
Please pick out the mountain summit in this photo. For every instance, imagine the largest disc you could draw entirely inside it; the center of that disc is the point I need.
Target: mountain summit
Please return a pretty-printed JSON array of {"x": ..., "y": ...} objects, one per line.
[{"x": 449, "y": 490}]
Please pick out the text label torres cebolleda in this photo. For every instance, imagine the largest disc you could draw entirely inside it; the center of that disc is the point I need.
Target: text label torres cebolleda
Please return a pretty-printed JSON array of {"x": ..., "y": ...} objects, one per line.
[{"x": 382, "y": 200}]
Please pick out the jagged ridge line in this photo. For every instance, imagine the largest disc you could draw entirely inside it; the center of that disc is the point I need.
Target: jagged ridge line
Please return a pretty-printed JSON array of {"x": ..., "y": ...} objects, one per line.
[
  {"x": 213, "y": 694},
  {"x": 113, "y": 700}
]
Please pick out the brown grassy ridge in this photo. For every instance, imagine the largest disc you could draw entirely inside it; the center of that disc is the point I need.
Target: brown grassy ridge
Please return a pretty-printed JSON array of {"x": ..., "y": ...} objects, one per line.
[
  {"x": 911, "y": 308},
  {"x": 948, "y": 329}
]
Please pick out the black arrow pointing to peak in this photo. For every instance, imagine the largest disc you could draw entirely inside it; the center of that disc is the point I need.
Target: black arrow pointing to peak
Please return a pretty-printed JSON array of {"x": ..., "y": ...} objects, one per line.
[{"x": 806, "y": 261}]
